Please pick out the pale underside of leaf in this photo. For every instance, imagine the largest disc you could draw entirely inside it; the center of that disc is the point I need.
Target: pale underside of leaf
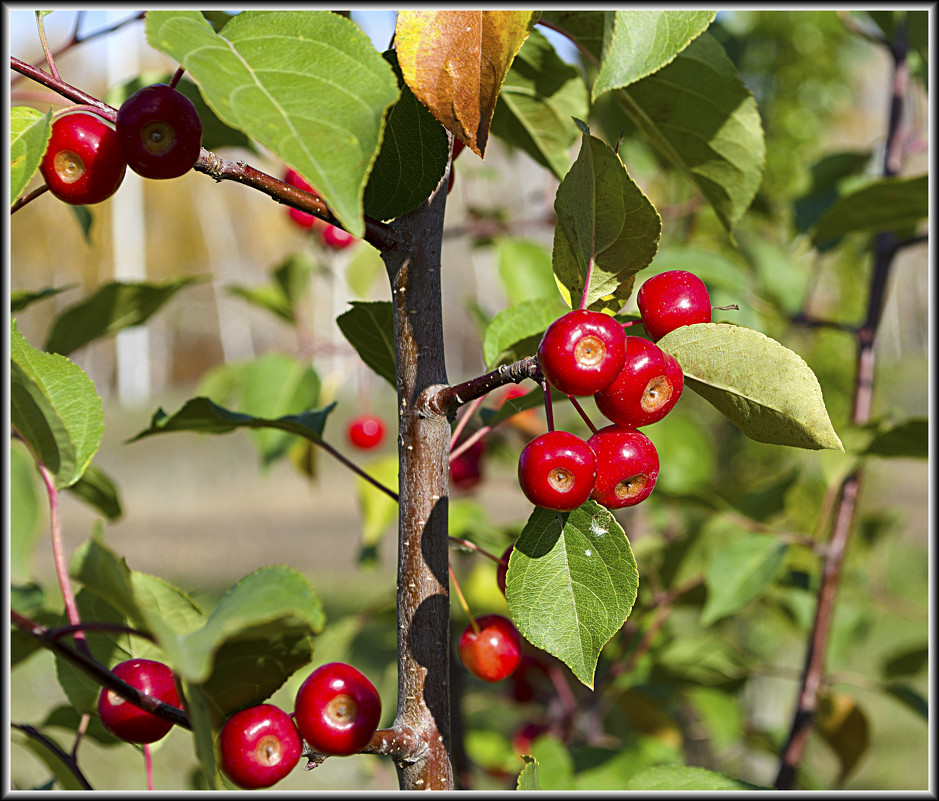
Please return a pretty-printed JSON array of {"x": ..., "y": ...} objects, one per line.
[{"x": 765, "y": 389}]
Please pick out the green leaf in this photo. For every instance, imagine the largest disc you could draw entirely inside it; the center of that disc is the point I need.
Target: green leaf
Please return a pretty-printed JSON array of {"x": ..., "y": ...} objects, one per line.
[
  {"x": 363, "y": 269},
  {"x": 113, "y": 307},
  {"x": 740, "y": 572},
  {"x": 607, "y": 229},
  {"x": 828, "y": 173},
  {"x": 525, "y": 269},
  {"x": 202, "y": 416},
  {"x": 369, "y": 328},
  {"x": 698, "y": 114},
  {"x": 84, "y": 219},
  {"x": 762, "y": 387},
  {"x": 55, "y": 408},
  {"x": 307, "y": 85},
  {"x": 910, "y": 698},
  {"x": 21, "y": 298},
  {"x": 24, "y": 514},
  {"x": 379, "y": 510},
  {"x": 555, "y": 765},
  {"x": 571, "y": 583},
  {"x": 97, "y": 489},
  {"x": 680, "y": 777},
  {"x": 271, "y": 386},
  {"x": 67, "y": 717},
  {"x": 906, "y": 440},
  {"x": 540, "y": 95},
  {"x": 890, "y": 204},
  {"x": 29, "y": 134},
  {"x": 268, "y": 605},
  {"x": 644, "y": 41},
  {"x": 907, "y": 663},
  {"x": 289, "y": 282},
  {"x": 528, "y": 778},
  {"x": 413, "y": 156},
  {"x": 516, "y": 332}
]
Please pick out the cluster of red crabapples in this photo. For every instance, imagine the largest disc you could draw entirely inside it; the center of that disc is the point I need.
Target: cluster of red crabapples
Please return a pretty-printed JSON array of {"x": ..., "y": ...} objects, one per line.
[
  {"x": 332, "y": 237},
  {"x": 157, "y": 133},
  {"x": 634, "y": 383},
  {"x": 336, "y": 712}
]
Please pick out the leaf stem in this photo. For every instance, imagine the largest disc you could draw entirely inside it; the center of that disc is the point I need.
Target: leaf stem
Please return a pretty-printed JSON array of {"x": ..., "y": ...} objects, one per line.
[
  {"x": 474, "y": 547},
  {"x": 58, "y": 555},
  {"x": 29, "y": 196},
  {"x": 45, "y": 45}
]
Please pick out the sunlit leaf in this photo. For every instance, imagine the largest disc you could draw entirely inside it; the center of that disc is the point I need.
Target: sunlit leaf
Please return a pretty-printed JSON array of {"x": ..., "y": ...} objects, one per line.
[
  {"x": 456, "y": 62},
  {"x": 571, "y": 583},
  {"x": 307, "y": 85},
  {"x": 645, "y": 40},
  {"x": 607, "y": 229},
  {"x": 764, "y": 388},
  {"x": 29, "y": 134},
  {"x": 54, "y": 407}
]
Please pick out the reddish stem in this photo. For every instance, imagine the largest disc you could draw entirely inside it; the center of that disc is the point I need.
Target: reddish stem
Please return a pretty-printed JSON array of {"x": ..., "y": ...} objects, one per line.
[
  {"x": 582, "y": 413},
  {"x": 462, "y": 600}
]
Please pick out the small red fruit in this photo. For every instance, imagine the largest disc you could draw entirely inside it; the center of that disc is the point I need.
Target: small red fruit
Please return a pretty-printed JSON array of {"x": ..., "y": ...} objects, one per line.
[
  {"x": 259, "y": 746},
  {"x": 300, "y": 218},
  {"x": 582, "y": 351},
  {"x": 557, "y": 471},
  {"x": 366, "y": 431},
  {"x": 672, "y": 299},
  {"x": 336, "y": 238},
  {"x": 160, "y": 132},
  {"x": 647, "y": 388},
  {"x": 493, "y": 653},
  {"x": 337, "y": 709},
  {"x": 627, "y": 466},
  {"x": 83, "y": 162},
  {"x": 126, "y": 720}
]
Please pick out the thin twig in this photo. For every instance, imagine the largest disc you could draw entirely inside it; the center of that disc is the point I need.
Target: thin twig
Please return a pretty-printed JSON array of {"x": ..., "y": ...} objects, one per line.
[{"x": 67, "y": 759}]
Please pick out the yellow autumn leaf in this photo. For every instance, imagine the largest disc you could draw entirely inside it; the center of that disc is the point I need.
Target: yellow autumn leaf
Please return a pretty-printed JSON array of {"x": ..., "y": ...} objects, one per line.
[{"x": 455, "y": 63}]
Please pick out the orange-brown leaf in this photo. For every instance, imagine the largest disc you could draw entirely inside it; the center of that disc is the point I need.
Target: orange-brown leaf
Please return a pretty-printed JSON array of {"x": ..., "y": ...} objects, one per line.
[{"x": 456, "y": 61}]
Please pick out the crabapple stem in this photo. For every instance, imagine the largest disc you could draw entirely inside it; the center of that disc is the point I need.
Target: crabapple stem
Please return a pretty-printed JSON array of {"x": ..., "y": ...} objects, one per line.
[
  {"x": 474, "y": 547},
  {"x": 548, "y": 405},
  {"x": 464, "y": 419},
  {"x": 459, "y": 595},
  {"x": 176, "y": 76},
  {"x": 24, "y": 199},
  {"x": 58, "y": 554},
  {"x": 731, "y": 307},
  {"x": 45, "y": 46},
  {"x": 582, "y": 413},
  {"x": 469, "y": 442},
  {"x": 630, "y": 322},
  {"x": 148, "y": 765}
]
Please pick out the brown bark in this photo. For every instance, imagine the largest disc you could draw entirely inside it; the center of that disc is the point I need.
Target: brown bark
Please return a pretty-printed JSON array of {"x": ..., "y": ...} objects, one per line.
[{"x": 423, "y": 447}]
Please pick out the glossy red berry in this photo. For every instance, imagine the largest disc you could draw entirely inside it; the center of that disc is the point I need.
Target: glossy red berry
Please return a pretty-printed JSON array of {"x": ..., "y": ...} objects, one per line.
[
  {"x": 466, "y": 470},
  {"x": 582, "y": 351},
  {"x": 83, "y": 162},
  {"x": 493, "y": 653},
  {"x": 503, "y": 567},
  {"x": 259, "y": 746},
  {"x": 627, "y": 466},
  {"x": 557, "y": 471},
  {"x": 672, "y": 299},
  {"x": 336, "y": 238},
  {"x": 300, "y": 218},
  {"x": 530, "y": 679},
  {"x": 337, "y": 709},
  {"x": 126, "y": 720},
  {"x": 647, "y": 388},
  {"x": 366, "y": 431},
  {"x": 160, "y": 132}
]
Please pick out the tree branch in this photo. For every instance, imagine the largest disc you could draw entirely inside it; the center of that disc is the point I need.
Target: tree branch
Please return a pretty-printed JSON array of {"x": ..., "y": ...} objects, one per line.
[{"x": 846, "y": 505}]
